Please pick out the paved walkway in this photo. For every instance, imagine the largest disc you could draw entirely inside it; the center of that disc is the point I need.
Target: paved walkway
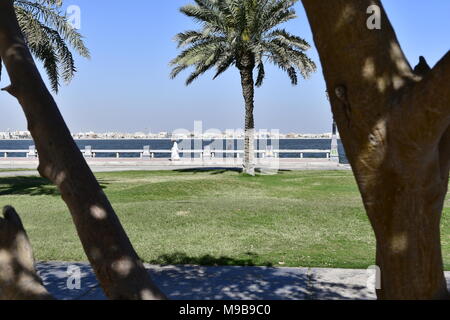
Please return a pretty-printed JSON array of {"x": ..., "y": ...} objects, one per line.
[
  {"x": 106, "y": 165},
  {"x": 225, "y": 283}
]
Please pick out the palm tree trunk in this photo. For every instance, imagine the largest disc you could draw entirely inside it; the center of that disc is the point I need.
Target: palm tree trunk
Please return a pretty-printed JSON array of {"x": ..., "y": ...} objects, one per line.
[
  {"x": 114, "y": 260},
  {"x": 246, "y": 69}
]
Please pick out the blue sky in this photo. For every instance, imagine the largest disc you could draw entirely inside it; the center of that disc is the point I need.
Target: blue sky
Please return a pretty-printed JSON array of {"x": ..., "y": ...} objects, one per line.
[{"x": 126, "y": 84}]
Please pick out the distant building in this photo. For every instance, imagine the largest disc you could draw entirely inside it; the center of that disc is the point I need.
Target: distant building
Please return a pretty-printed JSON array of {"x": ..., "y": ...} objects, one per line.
[{"x": 209, "y": 135}]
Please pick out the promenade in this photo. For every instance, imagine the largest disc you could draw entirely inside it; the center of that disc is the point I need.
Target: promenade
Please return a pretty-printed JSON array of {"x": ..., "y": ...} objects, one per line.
[{"x": 131, "y": 164}]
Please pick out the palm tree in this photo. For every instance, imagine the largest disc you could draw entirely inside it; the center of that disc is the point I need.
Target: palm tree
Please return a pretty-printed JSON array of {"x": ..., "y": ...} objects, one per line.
[
  {"x": 49, "y": 36},
  {"x": 242, "y": 33}
]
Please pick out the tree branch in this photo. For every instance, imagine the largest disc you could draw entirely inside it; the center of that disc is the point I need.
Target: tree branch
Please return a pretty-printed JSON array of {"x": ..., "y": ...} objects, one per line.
[
  {"x": 381, "y": 90},
  {"x": 368, "y": 64},
  {"x": 10, "y": 89},
  {"x": 427, "y": 104}
]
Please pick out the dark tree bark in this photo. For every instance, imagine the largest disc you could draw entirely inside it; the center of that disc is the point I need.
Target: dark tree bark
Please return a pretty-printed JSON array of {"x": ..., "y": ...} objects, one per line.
[
  {"x": 394, "y": 126},
  {"x": 18, "y": 277},
  {"x": 246, "y": 66},
  {"x": 115, "y": 262}
]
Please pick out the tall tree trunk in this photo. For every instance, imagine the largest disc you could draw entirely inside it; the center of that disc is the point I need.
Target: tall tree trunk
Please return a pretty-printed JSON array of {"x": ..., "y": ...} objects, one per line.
[
  {"x": 246, "y": 66},
  {"x": 115, "y": 262},
  {"x": 394, "y": 126}
]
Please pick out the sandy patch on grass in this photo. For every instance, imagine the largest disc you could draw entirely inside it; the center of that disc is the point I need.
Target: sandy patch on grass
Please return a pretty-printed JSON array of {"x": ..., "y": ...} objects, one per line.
[{"x": 160, "y": 179}]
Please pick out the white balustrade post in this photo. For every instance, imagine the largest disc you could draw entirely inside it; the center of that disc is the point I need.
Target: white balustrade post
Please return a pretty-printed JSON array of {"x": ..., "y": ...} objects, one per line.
[
  {"x": 32, "y": 152},
  {"x": 207, "y": 155},
  {"x": 269, "y": 152},
  {"x": 146, "y": 153},
  {"x": 88, "y": 152}
]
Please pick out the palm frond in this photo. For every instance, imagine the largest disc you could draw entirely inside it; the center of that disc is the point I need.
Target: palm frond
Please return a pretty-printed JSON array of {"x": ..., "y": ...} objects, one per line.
[
  {"x": 289, "y": 39},
  {"x": 49, "y": 37},
  {"x": 224, "y": 63},
  {"x": 261, "y": 75}
]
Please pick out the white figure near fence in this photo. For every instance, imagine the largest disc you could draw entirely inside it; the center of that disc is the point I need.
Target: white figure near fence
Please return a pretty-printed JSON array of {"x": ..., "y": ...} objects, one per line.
[
  {"x": 175, "y": 156},
  {"x": 334, "y": 154}
]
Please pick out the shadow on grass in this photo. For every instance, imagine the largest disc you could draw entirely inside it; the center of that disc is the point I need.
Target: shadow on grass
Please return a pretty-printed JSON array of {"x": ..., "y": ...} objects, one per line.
[
  {"x": 212, "y": 171},
  {"x": 215, "y": 171},
  {"x": 31, "y": 186},
  {"x": 180, "y": 258}
]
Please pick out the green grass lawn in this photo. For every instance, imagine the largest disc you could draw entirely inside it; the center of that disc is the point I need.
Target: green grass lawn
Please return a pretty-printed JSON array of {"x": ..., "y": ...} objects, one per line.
[{"x": 218, "y": 217}]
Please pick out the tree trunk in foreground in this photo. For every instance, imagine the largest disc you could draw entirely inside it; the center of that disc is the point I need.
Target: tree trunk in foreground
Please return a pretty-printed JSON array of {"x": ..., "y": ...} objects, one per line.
[
  {"x": 246, "y": 66},
  {"x": 18, "y": 277},
  {"x": 395, "y": 129},
  {"x": 116, "y": 264}
]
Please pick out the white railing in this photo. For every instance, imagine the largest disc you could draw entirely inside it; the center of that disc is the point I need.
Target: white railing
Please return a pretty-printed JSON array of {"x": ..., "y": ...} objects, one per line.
[
  {"x": 148, "y": 153},
  {"x": 31, "y": 152},
  {"x": 203, "y": 153}
]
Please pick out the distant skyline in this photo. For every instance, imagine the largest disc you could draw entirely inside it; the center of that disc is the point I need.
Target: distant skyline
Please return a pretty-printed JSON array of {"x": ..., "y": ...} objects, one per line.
[{"x": 126, "y": 87}]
